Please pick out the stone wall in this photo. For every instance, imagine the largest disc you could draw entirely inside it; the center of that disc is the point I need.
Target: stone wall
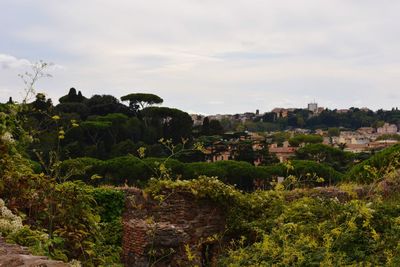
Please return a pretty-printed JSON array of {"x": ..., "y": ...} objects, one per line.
[
  {"x": 172, "y": 232},
  {"x": 13, "y": 255}
]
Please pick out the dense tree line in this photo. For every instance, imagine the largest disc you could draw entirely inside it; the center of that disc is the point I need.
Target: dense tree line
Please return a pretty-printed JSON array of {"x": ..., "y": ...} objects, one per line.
[
  {"x": 102, "y": 126},
  {"x": 132, "y": 170},
  {"x": 353, "y": 119}
]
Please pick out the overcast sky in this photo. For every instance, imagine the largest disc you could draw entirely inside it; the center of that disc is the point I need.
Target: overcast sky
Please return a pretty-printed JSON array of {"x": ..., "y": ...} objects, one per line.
[{"x": 209, "y": 56}]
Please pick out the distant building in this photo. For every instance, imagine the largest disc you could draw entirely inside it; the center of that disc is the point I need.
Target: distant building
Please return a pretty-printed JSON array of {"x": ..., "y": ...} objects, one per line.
[
  {"x": 282, "y": 153},
  {"x": 280, "y": 112},
  {"x": 313, "y": 107},
  {"x": 197, "y": 119},
  {"x": 387, "y": 129},
  {"x": 220, "y": 117},
  {"x": 366, "y": 130},
  {"x": 356, "y": 148}
]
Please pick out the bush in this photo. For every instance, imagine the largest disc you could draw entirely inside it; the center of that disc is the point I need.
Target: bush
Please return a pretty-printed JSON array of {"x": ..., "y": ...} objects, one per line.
[
  {"x": 82, "y": 168},
  {"x": 324, "y": 232},
  {"x": 9, "y": 222},
  {"x": 110, "y": 202},
  {"x": 376, "y": 167},
  {"x": 304, "y": 173}
]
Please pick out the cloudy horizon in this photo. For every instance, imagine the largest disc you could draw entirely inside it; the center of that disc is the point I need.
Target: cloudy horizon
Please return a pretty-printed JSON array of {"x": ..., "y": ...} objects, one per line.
[{"x": 206, "y": 56}]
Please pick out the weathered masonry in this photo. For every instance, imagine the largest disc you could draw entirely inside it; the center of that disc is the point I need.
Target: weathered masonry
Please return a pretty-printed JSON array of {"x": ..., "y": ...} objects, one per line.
[
  {"x": 175, "y": 231},
  {"x": 12, "y": 255}
]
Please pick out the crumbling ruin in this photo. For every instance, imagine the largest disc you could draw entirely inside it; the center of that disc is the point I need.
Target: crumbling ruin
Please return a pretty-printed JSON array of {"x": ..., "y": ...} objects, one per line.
[{"x": 176, "y": 231}]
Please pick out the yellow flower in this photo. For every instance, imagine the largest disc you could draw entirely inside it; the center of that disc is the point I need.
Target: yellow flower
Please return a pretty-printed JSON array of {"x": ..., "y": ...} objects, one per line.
[
  {"x": 142, "y": 152},
  {"x": 56, "y": 117},
  {"x": 61, "y": 137}
]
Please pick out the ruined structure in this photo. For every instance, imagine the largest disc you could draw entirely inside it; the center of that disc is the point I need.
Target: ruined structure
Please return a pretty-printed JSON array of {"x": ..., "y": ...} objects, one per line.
[{"x": 175, "y": 231}]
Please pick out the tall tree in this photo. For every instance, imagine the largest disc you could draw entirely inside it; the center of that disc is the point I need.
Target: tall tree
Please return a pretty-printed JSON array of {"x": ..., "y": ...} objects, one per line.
[
  {"x": 72, "y": 96},
  {"x": 139, "y": 101}
]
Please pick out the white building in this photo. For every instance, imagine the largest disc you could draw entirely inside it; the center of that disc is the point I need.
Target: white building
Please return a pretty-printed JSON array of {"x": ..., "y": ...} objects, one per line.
[{"x": 313, "y": 107}]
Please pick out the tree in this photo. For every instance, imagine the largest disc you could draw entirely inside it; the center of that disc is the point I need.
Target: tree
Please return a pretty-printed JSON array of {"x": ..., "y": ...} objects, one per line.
[
  {"x": 205, "y": 128},
  {"x": 333, "y": 131},
  {"x": 41, "y": 104},
  {"x": 72, "y": 96},
  {"x": 96, "y": 130},
  {"x": 139, "y": 101},
  {"x": 334, "y": 157},
  {"x": 104, "y": 104},
  {"x": 266, "y": 157},
  {"x": 244, "y": 152},
  {"x": 117, "y": 121},
  {"x": 73, "y": 107},
  {"x": 212, "y": 127},
  {"x": 216, "y": 128},
  {"x": 168, "y": 122}
]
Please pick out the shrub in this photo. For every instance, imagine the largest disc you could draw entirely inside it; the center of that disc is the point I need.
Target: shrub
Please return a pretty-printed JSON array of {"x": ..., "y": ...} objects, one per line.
[
  {"x": 9, "y": 222},
  {"x": 376, "y": 167}
]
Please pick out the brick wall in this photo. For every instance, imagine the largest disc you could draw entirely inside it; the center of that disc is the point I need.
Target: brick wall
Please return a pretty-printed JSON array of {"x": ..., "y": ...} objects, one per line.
[{"x": 164, "y": 228}]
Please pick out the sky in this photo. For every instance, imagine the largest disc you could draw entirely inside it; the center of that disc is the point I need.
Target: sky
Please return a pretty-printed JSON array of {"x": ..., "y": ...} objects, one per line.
[{"x": 208, "y": 56}]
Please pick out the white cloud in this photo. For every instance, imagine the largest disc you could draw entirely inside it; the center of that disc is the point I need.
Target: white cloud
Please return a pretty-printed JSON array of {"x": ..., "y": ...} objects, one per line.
[{"x": 8, "y": 61}]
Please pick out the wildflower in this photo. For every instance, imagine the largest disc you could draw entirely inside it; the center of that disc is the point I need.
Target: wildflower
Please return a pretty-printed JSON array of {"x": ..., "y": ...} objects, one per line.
[
  {"x": 142, "y": 152},
  {"x": 7, "y": 137},
  {"x": 56, "y": 117}
]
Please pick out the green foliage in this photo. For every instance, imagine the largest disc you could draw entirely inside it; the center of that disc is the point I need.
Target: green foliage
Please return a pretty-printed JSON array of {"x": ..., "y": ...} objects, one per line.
[
  {"x": 171, "y": 123},
  {"x": 141, "y": 100},
  {"x": 37, "y": 241},
  {"x": 334, "y": 131},
  {"x": 280, "y": 137},
  {"x": 72, "y": 97},
  {"x": 376, "y": 167},
  {"x": 334, "y": 157},
  {"x": 305, "y": 139},
  {"x": 202, "y": 187},
  {"x": 81, "y": 221},
  {"x": 304, "y": 173},
  {"x": 110, "y": 203},
  {"x": 212, "y": 127},
  {"x": 324, "y": 232},
  {"x": 395, "y": 137},
  {"x": 135, "y": 171}
]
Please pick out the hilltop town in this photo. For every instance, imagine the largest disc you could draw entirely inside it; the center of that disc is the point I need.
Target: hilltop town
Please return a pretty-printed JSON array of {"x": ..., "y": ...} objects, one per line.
[{"x": 243, "y": 127}]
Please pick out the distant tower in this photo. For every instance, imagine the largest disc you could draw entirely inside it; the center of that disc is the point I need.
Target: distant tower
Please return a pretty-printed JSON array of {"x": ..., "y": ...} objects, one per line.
[{"x": 313, "y": 107}]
